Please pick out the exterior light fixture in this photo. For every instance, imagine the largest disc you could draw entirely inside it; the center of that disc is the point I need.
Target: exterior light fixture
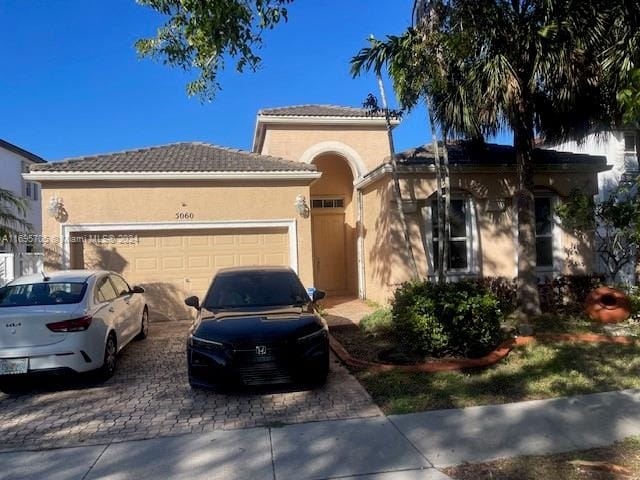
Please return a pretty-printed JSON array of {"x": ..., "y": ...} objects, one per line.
[
  {"x": 301, "y": 206},
  {"x": 56, "y": 207}
]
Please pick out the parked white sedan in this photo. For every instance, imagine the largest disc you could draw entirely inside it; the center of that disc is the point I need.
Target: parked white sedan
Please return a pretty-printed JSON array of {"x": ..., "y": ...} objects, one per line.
[{"x": 75, "y": 320}]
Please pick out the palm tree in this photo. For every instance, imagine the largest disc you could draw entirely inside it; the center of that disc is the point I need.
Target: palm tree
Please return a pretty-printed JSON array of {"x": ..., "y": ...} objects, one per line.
[
  {"x": 376, "y": 62},
  {"x": 490, "y": 65},
  {"x": 13, "y": 211},
  {"x": 404, "y": 59}
]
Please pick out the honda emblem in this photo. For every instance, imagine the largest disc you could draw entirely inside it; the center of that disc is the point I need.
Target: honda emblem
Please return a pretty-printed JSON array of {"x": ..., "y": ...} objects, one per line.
[{"x": 261, "y": 350}]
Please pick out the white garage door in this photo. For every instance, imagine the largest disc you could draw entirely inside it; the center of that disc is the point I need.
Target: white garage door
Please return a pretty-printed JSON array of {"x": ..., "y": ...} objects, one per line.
[{"x": 172, "y": 265}]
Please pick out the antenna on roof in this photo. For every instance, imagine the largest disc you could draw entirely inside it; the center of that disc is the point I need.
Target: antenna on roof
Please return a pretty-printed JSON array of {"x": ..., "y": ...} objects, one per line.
[{"x": 45, "y": 278}]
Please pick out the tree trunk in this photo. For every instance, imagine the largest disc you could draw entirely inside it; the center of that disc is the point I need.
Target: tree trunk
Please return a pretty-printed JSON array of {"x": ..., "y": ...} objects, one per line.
[
  {"x": 446, "y": 193},
  {"x": 396, "y": 185},
  {"x": 442, "y": 261},
  {"x": 527, "y": 296}
]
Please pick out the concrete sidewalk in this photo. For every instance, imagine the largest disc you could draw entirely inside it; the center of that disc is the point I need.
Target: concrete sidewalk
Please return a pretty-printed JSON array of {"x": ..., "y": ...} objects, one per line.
[{"x": 399, "y": 447}]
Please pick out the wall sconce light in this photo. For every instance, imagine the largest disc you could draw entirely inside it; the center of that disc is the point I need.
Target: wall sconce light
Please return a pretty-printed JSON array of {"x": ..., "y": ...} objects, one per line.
[
  {"x": 301, "y": 206},
  {"x": 56, "y": 207}
]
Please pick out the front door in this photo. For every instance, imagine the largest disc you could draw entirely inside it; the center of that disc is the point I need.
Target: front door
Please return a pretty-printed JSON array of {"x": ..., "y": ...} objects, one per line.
[{"x": 329, "y": 261}]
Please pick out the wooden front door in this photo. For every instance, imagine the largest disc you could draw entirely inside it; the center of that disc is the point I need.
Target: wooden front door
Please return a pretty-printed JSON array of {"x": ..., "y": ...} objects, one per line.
[{"x": 329, "y": 261}]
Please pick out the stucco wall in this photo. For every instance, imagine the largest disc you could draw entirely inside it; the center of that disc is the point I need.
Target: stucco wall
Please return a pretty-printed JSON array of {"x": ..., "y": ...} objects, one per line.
[
  {"x": 11, "y": 179},
  {"x": 292, "y": 141},
  {"x": 122, "y": 202},
  {"x": 385, "y": 257}
]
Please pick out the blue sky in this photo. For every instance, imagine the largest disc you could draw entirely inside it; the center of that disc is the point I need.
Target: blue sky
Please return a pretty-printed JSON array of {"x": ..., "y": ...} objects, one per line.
[{"x": 71, "y": 84}]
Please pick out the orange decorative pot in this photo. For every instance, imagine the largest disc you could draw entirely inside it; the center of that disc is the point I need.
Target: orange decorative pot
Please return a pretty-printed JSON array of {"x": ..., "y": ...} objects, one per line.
[{"x": 607, "y": 305}]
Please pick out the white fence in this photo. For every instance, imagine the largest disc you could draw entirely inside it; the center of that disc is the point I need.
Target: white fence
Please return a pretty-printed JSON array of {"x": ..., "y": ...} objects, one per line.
[{"x": 16, "y": 265}]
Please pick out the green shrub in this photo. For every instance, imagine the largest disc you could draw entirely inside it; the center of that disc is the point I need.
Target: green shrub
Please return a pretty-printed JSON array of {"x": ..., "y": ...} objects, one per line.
[
  {"x": 461, "y": 318},
  {"x": 504, "y": 290},
  {"x": 633, "y": 292},
  {"x": 376, "y": 322},
  {"x": 566, "y": 294}
]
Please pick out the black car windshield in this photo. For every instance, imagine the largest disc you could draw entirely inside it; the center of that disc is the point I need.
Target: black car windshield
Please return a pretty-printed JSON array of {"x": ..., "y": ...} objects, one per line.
[
  {"x": 45, "y": 293},
  {"x": 255, "y": 289}
]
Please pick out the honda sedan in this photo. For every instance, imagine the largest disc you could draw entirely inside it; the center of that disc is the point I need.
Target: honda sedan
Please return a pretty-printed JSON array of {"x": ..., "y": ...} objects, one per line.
[
  {"x": 67, "y": 321},
  {"x": 257, "y": 326}
]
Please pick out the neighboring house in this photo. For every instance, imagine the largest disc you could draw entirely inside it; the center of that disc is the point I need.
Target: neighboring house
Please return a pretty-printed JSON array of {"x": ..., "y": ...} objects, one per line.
[
  {"x": 167, "y": 217},
  {"x": 14, "y": 161},
  {"x": 620, "y": 147}
]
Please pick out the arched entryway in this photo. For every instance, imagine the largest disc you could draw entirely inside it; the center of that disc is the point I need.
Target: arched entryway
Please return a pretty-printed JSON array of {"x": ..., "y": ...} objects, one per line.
[{"x": 333, "y": 226}]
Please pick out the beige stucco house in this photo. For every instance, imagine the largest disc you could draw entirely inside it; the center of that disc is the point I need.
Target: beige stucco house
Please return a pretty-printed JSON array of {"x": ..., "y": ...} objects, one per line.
[{"x": 168, "y": 217}]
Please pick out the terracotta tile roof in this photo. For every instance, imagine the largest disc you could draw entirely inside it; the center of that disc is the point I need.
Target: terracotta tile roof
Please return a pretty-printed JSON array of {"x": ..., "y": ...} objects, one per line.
[
  {"x": 318, "y": 111},
  {"x": 177, "y": 157},
  {"x": 469, "y": 153}
]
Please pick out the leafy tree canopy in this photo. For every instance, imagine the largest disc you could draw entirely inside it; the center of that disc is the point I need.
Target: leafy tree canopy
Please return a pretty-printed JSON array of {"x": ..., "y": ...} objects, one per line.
[{"x": 200, "y": 35}]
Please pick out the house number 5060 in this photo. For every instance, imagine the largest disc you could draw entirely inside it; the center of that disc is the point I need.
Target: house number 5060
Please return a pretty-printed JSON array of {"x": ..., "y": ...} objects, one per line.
[{"x": 184, "y": 216}]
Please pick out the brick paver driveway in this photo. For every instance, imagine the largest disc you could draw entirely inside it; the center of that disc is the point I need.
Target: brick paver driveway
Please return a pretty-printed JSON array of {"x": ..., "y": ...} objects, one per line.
[{"x": 149, "y": 397}]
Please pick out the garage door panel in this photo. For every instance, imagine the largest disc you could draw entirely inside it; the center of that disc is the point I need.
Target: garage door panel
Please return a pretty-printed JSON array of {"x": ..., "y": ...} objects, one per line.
[
  {"x": 222, "y": 261},
  {"x": 275, "y": 259},
  {"x": 248, "y": 260},
  {"x": 172, "y": 265},
  {"x": 249, "y": 239},
  {"x": 223, "y": 240},
  {"x": 172, "y": 241},
  {"x": 146, "y": 264},
  {"x": 198, "y": 241},
  {"x": 200, "y": 262}
]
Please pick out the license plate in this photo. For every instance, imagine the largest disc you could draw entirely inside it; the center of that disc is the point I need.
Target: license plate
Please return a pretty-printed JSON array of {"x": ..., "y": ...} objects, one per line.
[{"x": 13, "y": 366}]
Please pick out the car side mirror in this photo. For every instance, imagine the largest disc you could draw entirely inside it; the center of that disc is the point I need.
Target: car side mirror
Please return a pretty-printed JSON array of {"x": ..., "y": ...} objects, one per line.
[
  {"x": 318, "y": 295},
  {"x": 193, "y": 302},
  {"x": 137, "y": 289}
]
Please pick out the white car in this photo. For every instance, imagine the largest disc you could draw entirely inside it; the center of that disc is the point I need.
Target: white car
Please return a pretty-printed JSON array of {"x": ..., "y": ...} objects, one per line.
[{"x": 75, "y": 320}]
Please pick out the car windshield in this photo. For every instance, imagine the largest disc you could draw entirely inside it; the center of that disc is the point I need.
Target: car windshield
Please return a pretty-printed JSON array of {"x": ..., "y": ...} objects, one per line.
[
  {"x": 255, "y": 289},
  {"x": 45, "y": 293}
]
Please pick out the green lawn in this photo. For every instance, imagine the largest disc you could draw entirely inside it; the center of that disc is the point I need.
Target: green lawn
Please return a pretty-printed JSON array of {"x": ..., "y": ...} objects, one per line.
[
  {"x": 534, "y": 371},
  {"x": 624, "y": 454},
  {"x": 548, "y": 323}
]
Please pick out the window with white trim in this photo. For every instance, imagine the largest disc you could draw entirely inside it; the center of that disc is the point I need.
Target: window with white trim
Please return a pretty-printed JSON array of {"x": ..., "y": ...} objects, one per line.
[
  {"x": 326, "y": 202},
  {"x": 460, "y": 238},
  {"x": 464, "y": 246},
  {"x": 544, "y": 232},
  {"x": 630, "y": 152}
]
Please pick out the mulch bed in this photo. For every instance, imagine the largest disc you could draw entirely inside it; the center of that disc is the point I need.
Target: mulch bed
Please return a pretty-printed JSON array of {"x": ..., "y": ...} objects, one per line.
[{"x": 364, "y": 348}]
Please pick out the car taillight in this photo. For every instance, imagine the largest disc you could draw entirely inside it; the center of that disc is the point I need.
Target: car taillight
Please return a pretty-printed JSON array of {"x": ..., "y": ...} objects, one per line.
[{"x": 74, "y": 325}]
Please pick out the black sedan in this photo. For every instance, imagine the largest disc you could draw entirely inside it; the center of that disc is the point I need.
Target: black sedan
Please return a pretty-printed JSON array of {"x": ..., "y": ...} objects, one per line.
[{"x": 257, "y": 326}]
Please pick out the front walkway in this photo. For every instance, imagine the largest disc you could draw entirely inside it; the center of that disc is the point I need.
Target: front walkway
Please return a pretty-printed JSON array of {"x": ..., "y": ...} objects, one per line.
[
  {"x": 402, "y": 447},
  {"x": 345, "y": 310}
]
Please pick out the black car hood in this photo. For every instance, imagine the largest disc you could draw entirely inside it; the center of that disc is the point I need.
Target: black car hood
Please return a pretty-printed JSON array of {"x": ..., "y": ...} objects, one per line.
[{"x": 236, "y": 327}]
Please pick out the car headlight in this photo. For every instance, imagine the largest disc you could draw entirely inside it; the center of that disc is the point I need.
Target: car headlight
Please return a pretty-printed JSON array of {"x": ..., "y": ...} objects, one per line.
[
  {"x": 198, "y": 342},
  {"x": 322, "y": 333}
]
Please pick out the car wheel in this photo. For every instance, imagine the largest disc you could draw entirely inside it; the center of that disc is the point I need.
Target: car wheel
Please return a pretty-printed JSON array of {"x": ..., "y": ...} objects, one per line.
[
  {"x": 144, "y": 326},
  {"x": 13, "y": 386},
  {"x": 110, "y": 358}
]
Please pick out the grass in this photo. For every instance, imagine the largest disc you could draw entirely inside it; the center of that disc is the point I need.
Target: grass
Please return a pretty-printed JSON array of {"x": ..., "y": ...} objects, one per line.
[
  {"x": 625, "y": 454},
  {"x": 534, "y": 371},
  {"x": 576, "y": 323}
]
